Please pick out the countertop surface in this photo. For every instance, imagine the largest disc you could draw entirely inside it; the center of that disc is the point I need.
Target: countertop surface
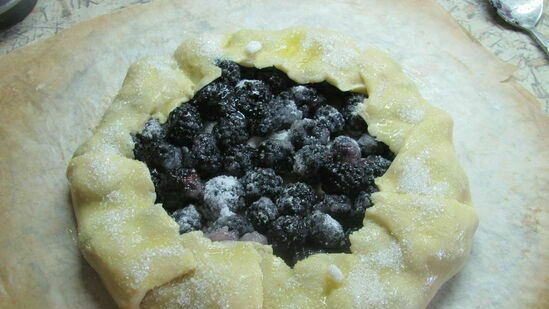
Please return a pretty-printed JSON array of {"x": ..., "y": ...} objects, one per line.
[{"x": 476, "y": 16}]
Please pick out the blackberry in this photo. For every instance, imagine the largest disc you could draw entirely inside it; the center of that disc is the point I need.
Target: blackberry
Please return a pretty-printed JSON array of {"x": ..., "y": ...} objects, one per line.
[
  {"x": 182, "y": 124},
  {"x": 308, "y": 132},
  {"x": 378, "y": 164},
  {"x": 164, "y": 156},
  {"x": 276, "y": 79},
  {"x": 188, "y": 218},
  {"x": 275, "y": 154},
  {"x": 296, "y": 198},
  {"x": 181, "y": 184},
  {"x": 287, "y": 232},
  {"x": 369, "y": 145},
  {"x": 279, "y": 114},
  {"x": 231, "y": 130},
  {"x": 309, "y": 159},
  {"x": 362, "y": 202},
  {"x": 261, "y": 213},
  {"x": 153, "y": 130},
  {"x": 238, "y": 159},
  {"x": 260, "y": 182},
  {"x": 206, "y": 155},
  {"x": 329, "y": 117},
  {"x": 337, "y": 206},
  {"x": 345, "y": 149},
  {"x": 186, "y": 157},
  {"x": 325, "y": 231},
  {"x": 307, "y": 99},
  {"x": 215, "y": 100},
  {"x": 250, "y": 94},
  {"x": 222, "y": 197},
  {"x": 354, "y": 123},
  {"x": 230, "y": 71},
  {"x": 344, "y": 178},
  {"x": 234, "y": 223}
]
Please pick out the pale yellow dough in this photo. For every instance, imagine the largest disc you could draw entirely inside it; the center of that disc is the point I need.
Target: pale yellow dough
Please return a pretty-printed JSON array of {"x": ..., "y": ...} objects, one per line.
[{"x": 415, "y": 237}]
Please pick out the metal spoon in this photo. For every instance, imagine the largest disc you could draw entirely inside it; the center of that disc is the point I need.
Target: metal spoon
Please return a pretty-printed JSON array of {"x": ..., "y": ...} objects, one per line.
[{"x": 524, "y": 14}]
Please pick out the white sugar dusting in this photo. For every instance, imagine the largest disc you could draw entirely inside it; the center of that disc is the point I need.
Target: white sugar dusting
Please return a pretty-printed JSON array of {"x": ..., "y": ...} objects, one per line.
[
  {"x": 152, "y": 129},
  {"x": 416, "y": 179},
  {"x": 210, "y": 46},
  {"x": 221, "y": 195},
  {"x": 412, "y": 114},
  {"x": 335, "y": 273},
  {"x": 253, "y": 47},
  {"x": 332, "y": 53}
]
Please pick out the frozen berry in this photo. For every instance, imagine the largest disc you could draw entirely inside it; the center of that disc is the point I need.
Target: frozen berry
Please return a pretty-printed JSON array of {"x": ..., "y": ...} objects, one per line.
[
  {"x": 369, "y": 145},
  {"x": 188, "y": 218},
  {"x": 326, "y": 231},
  {"x": 309, "y": 159},
  {"x": 231, "y": 130},
  {"x": 279, "y": 114},
  {"x": 307, "y": 99},
  {"x": 329, "y": 117},
  {"x": 255, "y": 237},
  {"x": 345, "y": 149},
  {"x": 223, "y": 195},
  {"x": 378, "y": 164},
  {"x": 343, "y": 178},
  {"x": 288, "y": 232},
  {"x": 249, "y": 96},
  {"x": 215, "y": 100},
  {"x": 182, "y": 124},
  {"x": 308, "y": 132},
  {"x": 206, "y": 155},
  {"x": 354, "y": 123},
  {"x": 181, "y": 184},
  {"x": 235, "y": 223},
  {"x": 276, "y": 79},
  {"x": 275, "y": 154},
  {"x": 153, "y": 130},
  {"x": 261, "y": 213},
  {"x": 165, "y": 156},
  {"x": 261, "y": 182},
  {"x": 296, "y": 198},
  {"x": 238, "y": 159},
  {"x": 337, "y": 206},
  {"x": 230, "y": 71}
]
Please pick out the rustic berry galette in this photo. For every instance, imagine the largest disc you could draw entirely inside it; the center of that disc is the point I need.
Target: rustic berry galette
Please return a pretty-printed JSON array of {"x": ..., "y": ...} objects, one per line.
[{"x": 271, "y": 169}]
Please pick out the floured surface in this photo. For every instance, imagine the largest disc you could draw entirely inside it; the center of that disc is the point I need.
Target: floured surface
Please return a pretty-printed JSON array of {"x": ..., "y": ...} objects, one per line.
[{"x": 52, "y": 97}]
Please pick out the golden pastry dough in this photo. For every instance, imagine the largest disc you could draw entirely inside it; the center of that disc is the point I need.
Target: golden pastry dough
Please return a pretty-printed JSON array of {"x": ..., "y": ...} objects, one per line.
[{"x": 415, "y": 237}]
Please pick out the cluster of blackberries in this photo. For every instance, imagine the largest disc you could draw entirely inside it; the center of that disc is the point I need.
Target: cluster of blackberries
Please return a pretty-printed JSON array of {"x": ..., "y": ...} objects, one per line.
[{"x": 255, "y": 156}]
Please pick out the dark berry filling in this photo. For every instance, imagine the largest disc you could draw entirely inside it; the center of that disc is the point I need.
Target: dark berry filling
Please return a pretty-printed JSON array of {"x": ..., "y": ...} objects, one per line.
[{"x": 256, "y": 157}]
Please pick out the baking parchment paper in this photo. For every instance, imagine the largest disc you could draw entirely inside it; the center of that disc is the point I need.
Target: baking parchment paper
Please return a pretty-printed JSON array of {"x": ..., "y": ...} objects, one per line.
[{"x": 52, "y": 95}]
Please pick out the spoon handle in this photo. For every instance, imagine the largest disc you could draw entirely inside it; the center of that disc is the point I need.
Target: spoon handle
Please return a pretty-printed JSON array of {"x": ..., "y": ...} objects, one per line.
[{"x": 542, "y": 41}]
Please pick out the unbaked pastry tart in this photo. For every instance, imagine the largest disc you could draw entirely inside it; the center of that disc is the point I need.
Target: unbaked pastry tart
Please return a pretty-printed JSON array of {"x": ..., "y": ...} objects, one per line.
[{"x": 414, "y": 237}]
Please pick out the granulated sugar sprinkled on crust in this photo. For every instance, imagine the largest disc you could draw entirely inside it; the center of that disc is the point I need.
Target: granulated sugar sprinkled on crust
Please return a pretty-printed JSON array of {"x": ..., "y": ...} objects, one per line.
[
  {"x": 365, "y": 287},
  {"x": 416, "y": 179},
  {"x": 210, "y": 46},
  {"x": 139, "y": 271},
  {"x": 253, "y": 47},
  {"x": 335, "y": 273},
  {"x": 412, "y": 114},
  {"x": 332, "y": 53}
]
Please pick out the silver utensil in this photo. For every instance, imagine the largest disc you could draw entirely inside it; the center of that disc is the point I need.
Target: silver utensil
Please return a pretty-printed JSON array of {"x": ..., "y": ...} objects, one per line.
[{"x": 524, "y": 14}]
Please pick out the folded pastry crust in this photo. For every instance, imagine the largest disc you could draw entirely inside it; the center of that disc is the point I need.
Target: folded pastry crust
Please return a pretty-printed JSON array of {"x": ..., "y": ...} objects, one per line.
[{"x": 416, "y": 236}]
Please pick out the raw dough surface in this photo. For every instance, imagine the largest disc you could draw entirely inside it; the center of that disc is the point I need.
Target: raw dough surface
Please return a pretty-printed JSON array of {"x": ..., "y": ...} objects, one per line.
[{"x": 52, "y": 95}]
